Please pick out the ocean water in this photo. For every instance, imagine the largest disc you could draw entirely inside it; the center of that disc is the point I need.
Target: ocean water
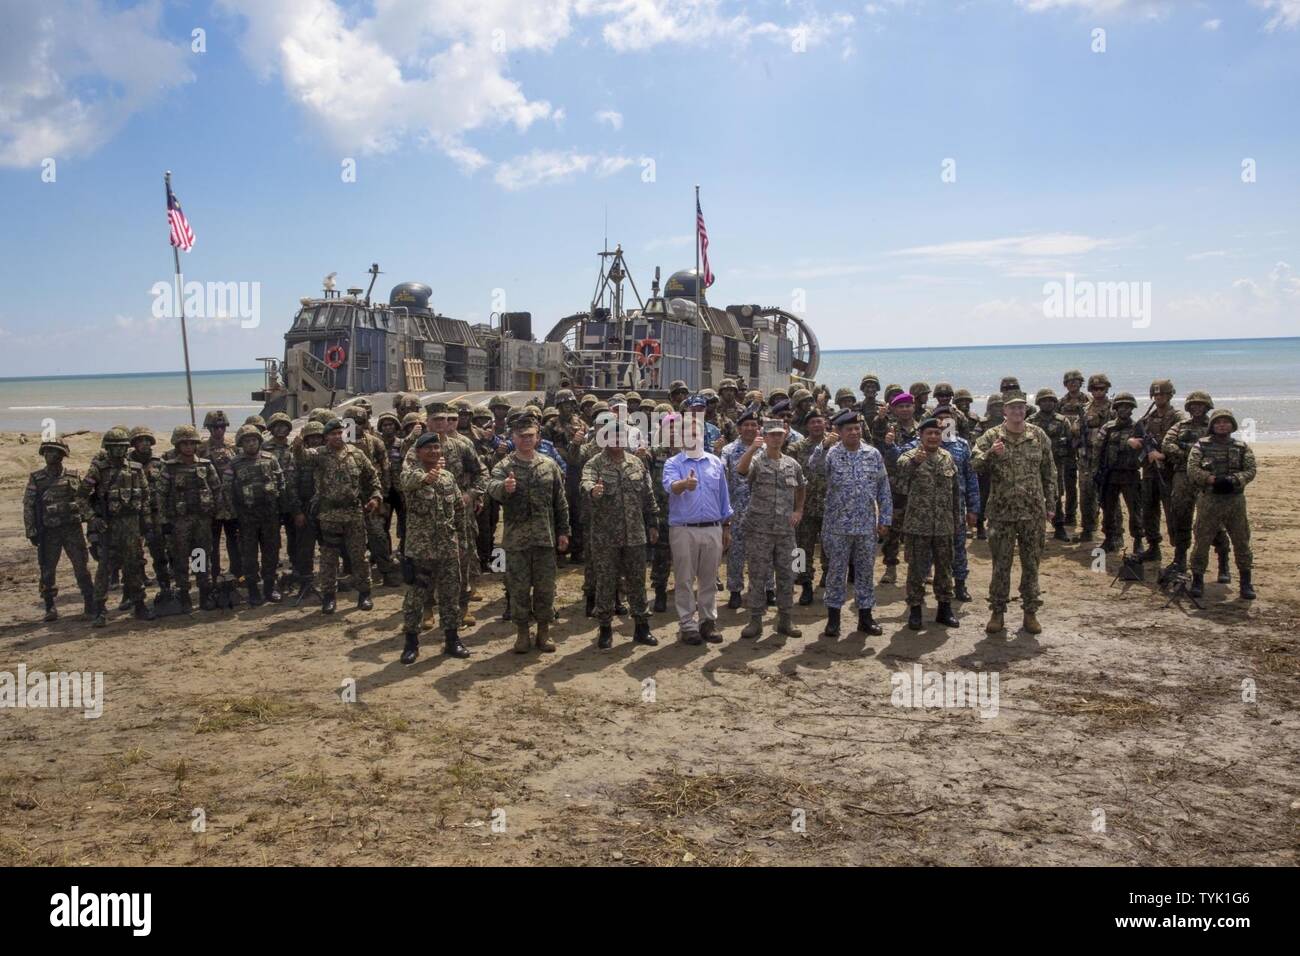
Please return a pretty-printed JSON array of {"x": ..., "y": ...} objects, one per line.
[{"x": 1258, "y": 379}]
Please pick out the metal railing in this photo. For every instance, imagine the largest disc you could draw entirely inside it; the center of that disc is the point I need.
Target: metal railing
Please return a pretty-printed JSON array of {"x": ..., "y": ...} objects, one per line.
[{"x": 314, "y": 366}]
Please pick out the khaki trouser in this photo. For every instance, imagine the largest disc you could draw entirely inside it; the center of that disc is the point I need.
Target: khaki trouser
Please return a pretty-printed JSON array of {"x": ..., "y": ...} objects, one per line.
[{"x": 697, "y": 552}]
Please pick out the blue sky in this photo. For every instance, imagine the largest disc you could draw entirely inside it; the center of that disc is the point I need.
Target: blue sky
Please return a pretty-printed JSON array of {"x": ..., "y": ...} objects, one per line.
[{"x": 492, "y": 138}]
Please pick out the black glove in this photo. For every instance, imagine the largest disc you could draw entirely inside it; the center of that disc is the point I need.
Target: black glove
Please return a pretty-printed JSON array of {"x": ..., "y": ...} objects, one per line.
[
  {"x": 35, "y": 539},
  {"x": 1223, "y": 485}
]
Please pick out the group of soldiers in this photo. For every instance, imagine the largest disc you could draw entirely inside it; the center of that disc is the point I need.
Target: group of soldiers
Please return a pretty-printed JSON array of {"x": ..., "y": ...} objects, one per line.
[{"x": 805, "y": 471}]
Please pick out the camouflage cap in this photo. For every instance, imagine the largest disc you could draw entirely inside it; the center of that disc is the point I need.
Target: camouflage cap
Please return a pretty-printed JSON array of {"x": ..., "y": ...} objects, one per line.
[
  {"x": 248, "y": 431},
  {"x": 412, "y": 418},
  {"x": 182, "y": 433},
  {"x": 1044, "y": 393},
  {"x": 1124, "y": 398},
  {"x": 57, "y": 444},
  {"x": 871, "y": 378},
  {"x": 215, "y": 419},
  {"x": 141, "y": 431},
  {"x": 677, "y": 385},
  {"x": 521, "y": 419},
  {"x": 1161, "y": 386},
  {"x": 1098, "y": 380},
  {"x": 943, "y": 390},
  {"x": 498, "y": 401},
  {"x": 727, "y": 383},
  {"x": 843, "y": 393},
  {"x": 280, "y": 418},
  {"x": 565, "y": 395},
  {"x": 1073, "y": 375},
  {"x": 313, "y": 429},
  {"x": 1198, "y": 396},
  {"x": 117, "y": 435},
  {"x": 437, "y": 408},
  {"x": 384, "y": 417},
  {"x": 962, "y": 395},
  {"x": 1222, "y": 413}
]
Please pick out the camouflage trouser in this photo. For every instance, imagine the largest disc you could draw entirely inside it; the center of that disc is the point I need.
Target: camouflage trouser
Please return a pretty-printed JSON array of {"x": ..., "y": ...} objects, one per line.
[
  {"x": 1153, "y": 500},
  {"x": 839, "y": 551},
  {"x": 807, "y": 535},
  {"x": 190, "y": 533},
  {"x": 1004, "y": 537},
  {"x": 768, "y": 553},
  {"x": 231, "y": 528},
  {"x": 736, "y": 553},
  {"x": 156, "y": 544},
  {"x": 378, "y": 543},
  {"x": 53, "y": 544},
  {"x": 1221, "y": 512},
  {"x": 469, "y": 566},
  {"x": 530, "y": 581},
  {"x": 614, "y": 566},
  {"x": 579, "y": 537},
  {"x": 339, "y": 532},
  {"x": 433, "y": 580},
  {"x": 304, "y": 549},
  {"x": 960, "y": 559},
  {"x": 259, "y": 533},
  {"x": 1182, "y": 513},
  {"x": 1062, "y": 487},
  {"x": 1111, "y": 521},
  {"x": 661, "y": 557},
  {"x": 1068, "y": 475},
  {"x": 922, "y": 550},
  {"x": 1088, "y": 503},
  {"x": 121, "y": 548},
  {"x": 895, "y": 539}
]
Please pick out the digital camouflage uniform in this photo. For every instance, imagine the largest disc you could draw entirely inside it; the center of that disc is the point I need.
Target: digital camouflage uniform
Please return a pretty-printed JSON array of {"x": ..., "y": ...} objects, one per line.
[
  {"x": 931, "y": 520},
  {"x": 858, "y": 499},
  {"x": 535, "y": 516},
  {"x": 258, "y": 496},
  {"x": 1157, "y": 489},
  {"x": 221, "y": 457},
  {"x": 809, "y": 531},
  {"x": 284, "y": 456},
  {"x": 435, "y": 514},
  {"x": 345, "y": 481},
  {"x": 1221, "y": 505},
  {"x": 1070, "y": 406},
  {"x": 738, "y": 489},
  {"x": 1119, "y": 477},
  {"x": 188, "y": 498},
  {"x": 154, "y": 539},
  {"x": 52, "y": 517},
  {"x": 1057, "y": 428},
  {"x": 1095, "y": 414},
  {"x": 620, "y": 519},
  {"x": 1177, "y": 447},
  {"x": 903, "y": 435},
  {"x": 769, "y": 539},
  {"x": 1022, "y": 487},
  {"x": 378, "y": 544},
  {"x": 661, "y": 553},
  {"x": 968, "y": 501},
  {"x": 117, "y": 495},
  {"x": 306, "y": 537}
]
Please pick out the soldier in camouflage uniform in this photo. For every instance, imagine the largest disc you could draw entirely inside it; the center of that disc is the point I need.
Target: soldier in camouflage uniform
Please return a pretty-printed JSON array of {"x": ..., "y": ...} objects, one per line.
[
  {"x": 1177, "y": 447},
  {"x": 920, "y": 392},
  {"x": 1017, "y": 456},
  {"x": 52, "y": 517},
  {"x": 1221, "y": 467},
  {"x": 530, "y": 488},
  {"x": 738, "y": 489},
  {"x": 1156, "y": 488},
  {"x": 889, "y": 436},
  {"x": 221, "y": 452},
  {"x": 776, "y": 486},
  {"x": 991, "y": 419},
  {"x": 436, "y": 513},
  {"x": 279, "y": 426},
  {"x": 944, "y": 397},
  {"x": 809, "y": 531},
  {"x": 729, "y": 409},
  {"x": 347, "y": 489},
  {"x": 255, "y": 487},
  {"x": 189, "y": 494},
  {"x": 1059, "y": 431},
  {"x": 844, "y": 399},
  {"x": 117, "y": 494},
  {"x": 1117, "y": 476},
  {"x": 927, "y": 476},
  {"x": 871, "y": 403},
  {"x": 377, "y": 542},
  {"x": 624, "y": 517},
  {"x": 801, "y": 406},
  {"x": 661, "y": 554},
  {"x": 142, "y": 445},
  {"x": 1071, "y": 405},
  {"x": 304, "y": 519},
  {"x": 1095, "y": 414}
]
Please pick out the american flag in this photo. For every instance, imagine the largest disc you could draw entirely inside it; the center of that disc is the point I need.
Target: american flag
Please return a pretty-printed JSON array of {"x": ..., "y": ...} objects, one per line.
[
  {"x": 182, "y": 234},
  {"x": 702, "y": 237}
]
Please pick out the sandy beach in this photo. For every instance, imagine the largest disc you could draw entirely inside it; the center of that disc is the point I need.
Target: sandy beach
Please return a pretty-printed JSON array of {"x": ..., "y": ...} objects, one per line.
[{"x": 1128, "y": 732}]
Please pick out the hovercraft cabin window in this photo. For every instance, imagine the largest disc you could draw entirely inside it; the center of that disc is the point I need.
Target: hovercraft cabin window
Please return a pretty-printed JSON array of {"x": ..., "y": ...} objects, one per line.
[{"x": 361, "y": 361}]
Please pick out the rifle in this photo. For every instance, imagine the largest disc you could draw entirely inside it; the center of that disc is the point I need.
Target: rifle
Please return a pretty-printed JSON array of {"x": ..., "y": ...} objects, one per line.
[{"x": 1149, "y": 444}]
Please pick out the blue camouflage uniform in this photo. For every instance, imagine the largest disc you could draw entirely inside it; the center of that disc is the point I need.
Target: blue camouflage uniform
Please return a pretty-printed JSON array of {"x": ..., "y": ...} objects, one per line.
[
  {"x": 968, "y": 498},
  {"x": 857, "y": 500},
  {"x": 738, "y": 489}
]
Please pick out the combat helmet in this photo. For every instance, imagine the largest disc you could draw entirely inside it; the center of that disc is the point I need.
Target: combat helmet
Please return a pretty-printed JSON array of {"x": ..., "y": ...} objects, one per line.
[
  {"x": 1162, "y": 386},
  {"x": 1044, "y": 393},
  {"x": 871, "y": 378},
  {"x": 321, "y": 415},
  {"x": 962, "y": 395},
  {"x": 311, "y": 429},
  {"x": 412, "y": 418},
  {"x": 564, "y": 395},
  {"x": 726, "y": 383},
  {"x": 480, "y": 411},
  {"x": 257, "y": 420},
  {"x": 799, "y": 394},
  {"x": 1124, "y": 398},
  {"x": 216, "y": 419},
  {"x": 943, "y": 390},
  {"x": 1099, "y": 380},
  {"x": 892, "y": 389},
  {"x": 587, "y": 399},
  {"x": 142, "y": 431},
  {"x": 549, "y": 412},
  {"x": 843, "y": 393},
  {"x": 1198, "y": 396},
  {"x": 356, "y": 414},
  {"x": 182, "y": 433},
  {"x": 280, "y": 418},
  {"x": 117, "y": 435},
  {"x": 1073, "y": 375},
  {"x": 58, "y": 444},
  {"x": 1223, "y": 413},
  {"x": 498, "y": 401},
  {"x": 245, "y": 431}
]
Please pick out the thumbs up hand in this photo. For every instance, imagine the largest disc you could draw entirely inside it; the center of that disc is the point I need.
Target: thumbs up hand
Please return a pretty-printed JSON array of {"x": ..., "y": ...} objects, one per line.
[
  {"x": 691, "y": 481},
  {"x": 598, "y": 489},
  {"x": 510, "y": 483}
]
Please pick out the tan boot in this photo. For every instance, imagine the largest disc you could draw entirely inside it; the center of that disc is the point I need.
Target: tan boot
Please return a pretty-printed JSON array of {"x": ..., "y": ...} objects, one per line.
[
  {"x": 544, "y": 642},
  {"x": 426, "y": 622},
  {"x": 466, "y": 618},
  {"x": 786, "y": 626},
  {"x": 522, "y": 640},
  {"x": 995, "y": 623},
  {"x": 754, "y": 628},
  {"x": 474, "y": 595},
  {"x": 1031, "y": 623}
]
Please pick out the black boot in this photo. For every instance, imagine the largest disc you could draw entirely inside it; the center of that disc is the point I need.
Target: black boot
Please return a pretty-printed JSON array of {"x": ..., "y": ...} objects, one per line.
[
  {"x": 1059, "y": 534},
  {"x": 451, "y": 645},
  {"x": 619, "y": 607},
  {"x": 207, "y": 601},
  {"x": 327, "y": 603},
  {"x": 605, "y": 640},
  {"x": 88, "y": 604},
  {"x": 183, "y": 599},
  {"x": 867, "y": 625},
  {"x": 661, "y": 600},
  {"x": 412, "y": 649},
  {"x": 980, "y": 533},
  {"x": 101, "y": 614},
  {"x": 832, "y": 628},
  {"x": 709, "y": 632},
  {"x": 771, "y": 599},
  {"x": 914, "y": 618},
  {"x": 1152, "y": 553},
  {"x": 1084, "y": 537},
  {"x": 642, "y": 633},
  {"x": 50, "y": 613},
  {"x": 1180, "y": 558},
  {"x": 1225, "y": 577},
  {"x": 1247, "y": 592},
  {"x": 945, "y": 615},
  {"x": 270, "y": 591},
  {"x": 143, "y": 612},
  {"x": 959, "y": 591},
  {"x": 806, "y": 594},
  {"x": 1198, "y": 584},
  {"x": 734, "y": 602},
  {"x": 363, "y": 601},
  {"x": 125, "y": 603},
  {"x": 591, "y": 603},
  {"x": 254, "y": 596}
]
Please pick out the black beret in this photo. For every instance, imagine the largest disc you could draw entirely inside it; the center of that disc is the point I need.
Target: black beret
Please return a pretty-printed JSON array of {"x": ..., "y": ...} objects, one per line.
[
  {"x": 930, "y": 422},
  {"x": 849, "y": 416},
  {"x": 780, "y": 407},
  {"x": 750, "y": 414},
  {"x": 814, "y": 412},
  {"x": 428, "y": 438}
]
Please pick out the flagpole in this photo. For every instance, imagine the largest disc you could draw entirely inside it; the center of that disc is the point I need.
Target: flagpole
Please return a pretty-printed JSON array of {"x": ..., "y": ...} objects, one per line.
[
  {"x": 698, "y": 278},
  {"x": 180, "y": 304}
]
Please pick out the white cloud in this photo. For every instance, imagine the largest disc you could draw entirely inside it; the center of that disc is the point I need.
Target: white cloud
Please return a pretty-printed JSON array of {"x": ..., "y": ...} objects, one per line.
[
  {"x": 543, "y": 167},
  {"x": 72, "y": 72},
  {"x": 1018, "y": 257},
  {"x": 1251, "y": 306},
  {"x": 1285, "y": 14},
  {"x": 1209, "y": 254},
  {"x": 1211, "y": 25},
  {"x": 1143, "y": 8},
  {"x": 613, "y": 117}
]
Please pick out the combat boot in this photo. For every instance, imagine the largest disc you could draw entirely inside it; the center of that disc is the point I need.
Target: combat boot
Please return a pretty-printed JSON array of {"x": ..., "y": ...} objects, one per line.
[
  {"x": 1139, "y": 548},
  {"x": 392, "y": 578},
  {"x": 786, "y": 626},
  {"x": 959, "y": 591},
  {"x": 363, "y": 601},
  {"x": 101, "y": 615},
  {"x": 142, "y": 610},
  {"x": 945, "y": 615},
  {"x": 709, "y": 631},
  {"x": 733, "y": 602},
  {"x": 867, "y": 624},
  {"x": 996, "y": 623},
  {"x": 451, "y": 645},
  {"x": 466, "y": 618},
  {"x": 1225, "y": 577},
  {"x": 590, "y": 597},
  {"x": 980, "y": 533},
  {"x": 208, "y": 603},
  {"x": 1059, "y": 534},
  {"x": 544, "y": 642},
  {"x": 771, "y": 598},
  {"x": 1180, "y": 558},
  {"x": 412, "y": 649},
  {"x": 642, "y": 633},
  {"x": 88, "y": 604},
  {"x": 620, "y": 608},
  {"x": 327, "y": 603},
  {"x": 270, "y": 591},
  {"x": 125, "y": 603},
  {"x": 661, "y": 600},
  {"x": 1151, "y": 554},
  {"x": 914, "y": 618},
  {"x": 254, "y": 595},
  {"x": 1247, "y": 591},
  {"x": 50, "y": 613},
  {"x": 806, "y": 594},
  {"x": 890, "y": 576},
  {"x": 1198, "y": 584},
  {"x": 832, "y": 628},
  {"x": 754, "y": 627},
  {"x": 1031, "y": 623},
  {"x": 522, "y": 639},
  {"x": 183, "y": 599},
  {"x": 1083, "y": 537},
  {"x": 605, "y": 640}
]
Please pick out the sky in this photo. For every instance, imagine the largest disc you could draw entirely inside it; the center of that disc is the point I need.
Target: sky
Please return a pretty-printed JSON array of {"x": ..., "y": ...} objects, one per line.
[{"x": 903, "y": 173}]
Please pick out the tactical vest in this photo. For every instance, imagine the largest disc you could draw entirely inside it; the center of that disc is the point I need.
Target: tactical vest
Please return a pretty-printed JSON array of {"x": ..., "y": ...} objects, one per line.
[
  {"x": 254, "y": 487},
  {"x": 1115, "y": 451},
  {"x": 121, "y": 492},
  {"x": 1223, "y": 458},
  {"x": 192, "y": 494},
  {"x": 57, "y": 498}
]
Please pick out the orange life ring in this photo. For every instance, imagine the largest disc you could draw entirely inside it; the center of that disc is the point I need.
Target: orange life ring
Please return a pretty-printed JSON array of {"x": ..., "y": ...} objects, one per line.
[
  {"x": 335, "y": 356},
  {"x": 648, "y": 352}
]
